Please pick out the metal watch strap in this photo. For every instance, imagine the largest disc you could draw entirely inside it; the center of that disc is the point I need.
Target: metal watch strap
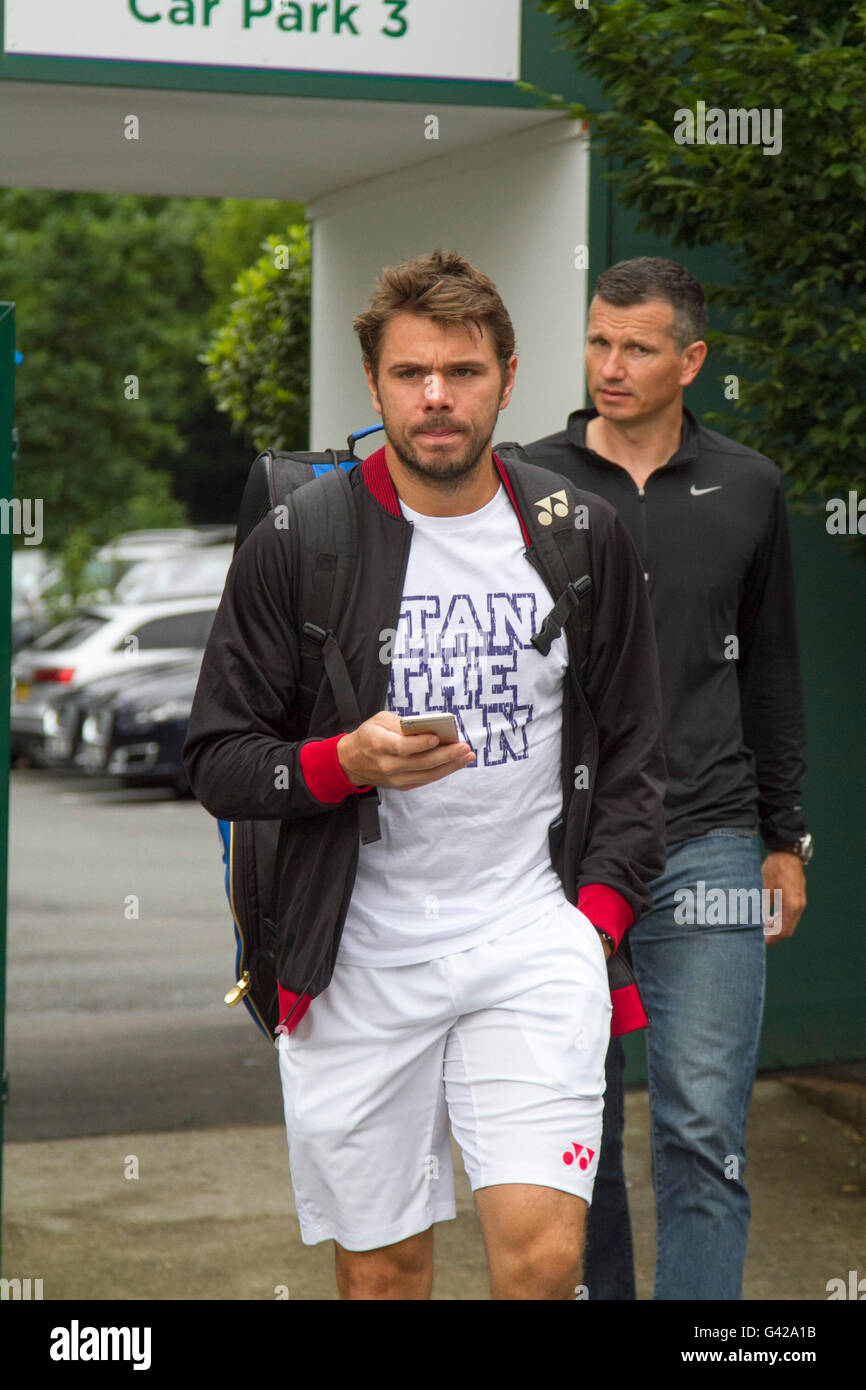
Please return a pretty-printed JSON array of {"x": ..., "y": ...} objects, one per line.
[{"x": 803, "y": 848}]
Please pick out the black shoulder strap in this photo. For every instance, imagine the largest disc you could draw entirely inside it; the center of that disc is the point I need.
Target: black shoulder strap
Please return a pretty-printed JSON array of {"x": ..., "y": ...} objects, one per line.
[
  {"x": 323, "y": 512},
  {"x": 555, "y": 515}
]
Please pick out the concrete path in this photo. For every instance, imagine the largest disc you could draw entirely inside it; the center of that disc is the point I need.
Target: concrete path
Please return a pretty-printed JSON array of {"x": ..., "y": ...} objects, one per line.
[{"x": 210, "y": 1214}]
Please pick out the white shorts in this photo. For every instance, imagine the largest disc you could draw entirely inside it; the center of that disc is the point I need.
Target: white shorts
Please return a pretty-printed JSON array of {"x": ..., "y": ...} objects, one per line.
[{"x": 506, "y": 1040}]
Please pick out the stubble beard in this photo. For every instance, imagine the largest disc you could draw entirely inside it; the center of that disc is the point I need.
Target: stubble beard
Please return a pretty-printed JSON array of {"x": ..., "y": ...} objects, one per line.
[{"x": 447, "y": 475}]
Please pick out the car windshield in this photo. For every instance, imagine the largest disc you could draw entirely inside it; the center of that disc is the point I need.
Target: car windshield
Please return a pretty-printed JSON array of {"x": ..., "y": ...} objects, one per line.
[
  {"x": 96, "y": 583},
  {"x": 70, "y": 633},
  {"x": 181, "y": 576}
]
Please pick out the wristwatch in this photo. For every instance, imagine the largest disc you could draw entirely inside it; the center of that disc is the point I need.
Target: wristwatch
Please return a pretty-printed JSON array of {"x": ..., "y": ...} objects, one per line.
[
  {"x": 802, "y": 848},
  {"x": 609, "y": 939}
]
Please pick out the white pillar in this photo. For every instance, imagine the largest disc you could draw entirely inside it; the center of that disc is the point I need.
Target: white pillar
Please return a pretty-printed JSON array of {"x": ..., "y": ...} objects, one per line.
[{"x": 517, "y": 208}]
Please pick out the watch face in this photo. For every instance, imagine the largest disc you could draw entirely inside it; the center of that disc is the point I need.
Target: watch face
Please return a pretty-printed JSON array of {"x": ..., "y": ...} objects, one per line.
[{"x": 805, "y": 847}]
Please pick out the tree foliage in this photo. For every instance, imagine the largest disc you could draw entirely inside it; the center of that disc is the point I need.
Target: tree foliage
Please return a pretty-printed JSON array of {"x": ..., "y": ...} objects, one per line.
[
  {"x": 794, "y": 223},
  {"x": 259, "y": 360},
  {"x": 107, "y": 289},
  {"x": 233, "y": 241},
  {"x": 110, "y": 287}
]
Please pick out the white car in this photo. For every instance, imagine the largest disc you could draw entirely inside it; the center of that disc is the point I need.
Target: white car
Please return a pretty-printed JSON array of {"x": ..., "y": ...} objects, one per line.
[
  {"x": 152, "y": 545},
  {"x": 120, "y": 560},
  {"x": 97, "y": 642},
  {"x": 29, "y": 569},
  {"x": 188, "y": 574}
]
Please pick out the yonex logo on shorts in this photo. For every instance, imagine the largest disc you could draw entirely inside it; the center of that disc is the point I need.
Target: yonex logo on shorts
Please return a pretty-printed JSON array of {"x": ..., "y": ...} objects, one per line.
[{"x": 583, "y": 1155}]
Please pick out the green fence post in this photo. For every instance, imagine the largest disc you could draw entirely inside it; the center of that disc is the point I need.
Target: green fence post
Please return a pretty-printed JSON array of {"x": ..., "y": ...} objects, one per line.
[{"x": 7, "y": 398}]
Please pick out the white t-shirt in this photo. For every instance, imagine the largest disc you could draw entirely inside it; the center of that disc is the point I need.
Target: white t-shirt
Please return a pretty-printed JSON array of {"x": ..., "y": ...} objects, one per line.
[{"x": 465, "y": 859}]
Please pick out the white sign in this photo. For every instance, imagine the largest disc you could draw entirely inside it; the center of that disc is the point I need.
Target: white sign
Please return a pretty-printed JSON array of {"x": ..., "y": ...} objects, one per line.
[{"x": 463, "y": 39}]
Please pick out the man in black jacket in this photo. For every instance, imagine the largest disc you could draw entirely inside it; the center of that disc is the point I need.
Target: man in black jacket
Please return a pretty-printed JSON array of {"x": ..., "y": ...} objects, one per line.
[
  {"x": 709, "y": 522},
  {"x": 456, "y": 965}
]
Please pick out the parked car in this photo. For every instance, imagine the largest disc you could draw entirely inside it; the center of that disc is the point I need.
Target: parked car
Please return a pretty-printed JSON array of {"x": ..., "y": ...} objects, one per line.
[
  {"x": 98, "y": 642},
  {"x": 63, "y": 722},
  {"x": 146, "y": 545},
  {"x": 29, "y": 566},
  {"x": 29, "y": 617},
  {"x": 187, "y": 574},
  {"x": 119, "y": 559},
  {"x": 138, "y": 734}
]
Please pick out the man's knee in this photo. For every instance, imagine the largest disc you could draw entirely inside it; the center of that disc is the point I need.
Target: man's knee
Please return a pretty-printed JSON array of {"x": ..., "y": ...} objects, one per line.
[
  {"x": 400, "y": 1271},
  {"x": 550, "y": 1268}
]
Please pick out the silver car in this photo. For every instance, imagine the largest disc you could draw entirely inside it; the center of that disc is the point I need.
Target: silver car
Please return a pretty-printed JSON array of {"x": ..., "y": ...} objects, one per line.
[
  {"x": 96, "y": 642},
  {"x": 187, "y": 574}
]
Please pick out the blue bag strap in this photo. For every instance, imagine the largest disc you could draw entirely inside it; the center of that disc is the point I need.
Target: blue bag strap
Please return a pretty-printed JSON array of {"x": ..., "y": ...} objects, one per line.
[{"x": 320, "y": 468}]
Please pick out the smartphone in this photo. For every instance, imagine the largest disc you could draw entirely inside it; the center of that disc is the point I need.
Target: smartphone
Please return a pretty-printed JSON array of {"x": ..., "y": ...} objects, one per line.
[{"x": 444, "y": 726}]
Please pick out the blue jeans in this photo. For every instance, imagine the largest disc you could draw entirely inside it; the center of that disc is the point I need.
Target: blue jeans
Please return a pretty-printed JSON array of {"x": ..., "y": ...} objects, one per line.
[{"x": 702, "y": 982}]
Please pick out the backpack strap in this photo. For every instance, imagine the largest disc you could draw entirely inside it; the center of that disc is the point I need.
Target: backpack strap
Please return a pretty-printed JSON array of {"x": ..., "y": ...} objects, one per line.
[
  {"x": 325, "y": 516},
  {"x": 545, "y": 500},
  {"x": 559, "y": 614}
]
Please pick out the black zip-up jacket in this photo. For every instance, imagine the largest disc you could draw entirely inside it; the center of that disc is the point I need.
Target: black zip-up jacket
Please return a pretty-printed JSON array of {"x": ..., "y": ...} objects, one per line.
[
  {"x": 250, "y": 718},
  {"x": 712, "y": 532}
]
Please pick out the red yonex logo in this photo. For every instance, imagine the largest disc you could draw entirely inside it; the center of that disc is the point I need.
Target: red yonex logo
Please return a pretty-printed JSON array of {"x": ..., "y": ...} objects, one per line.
[{"x": 583, "y": 1155}]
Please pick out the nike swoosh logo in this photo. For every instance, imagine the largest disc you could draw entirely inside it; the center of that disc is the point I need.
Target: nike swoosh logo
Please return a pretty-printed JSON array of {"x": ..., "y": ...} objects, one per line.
[{"x": 699, "y": 491}]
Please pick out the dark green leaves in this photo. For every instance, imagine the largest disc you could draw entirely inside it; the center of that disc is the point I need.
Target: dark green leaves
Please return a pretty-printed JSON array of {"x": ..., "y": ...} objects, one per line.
[{"x": 794, "y": 222}]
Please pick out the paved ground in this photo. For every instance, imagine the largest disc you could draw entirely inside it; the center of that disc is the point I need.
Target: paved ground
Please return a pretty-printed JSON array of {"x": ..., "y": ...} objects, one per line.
[
  {"x": 122, "y": 1057},
  {"x": 210, "y": 1215}
]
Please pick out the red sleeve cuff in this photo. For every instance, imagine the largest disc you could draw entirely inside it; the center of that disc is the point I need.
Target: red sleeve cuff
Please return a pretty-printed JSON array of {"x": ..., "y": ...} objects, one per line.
[
  {"x": 628, "y": 1013},
  {"x": 323, "y": 774},
  {"x": 606, "y": 909}
]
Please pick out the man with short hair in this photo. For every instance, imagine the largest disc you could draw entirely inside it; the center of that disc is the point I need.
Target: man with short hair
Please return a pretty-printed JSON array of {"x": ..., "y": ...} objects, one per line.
[
  {"x": 708, "y": 519},
  {"x": 470, "y": 982}
]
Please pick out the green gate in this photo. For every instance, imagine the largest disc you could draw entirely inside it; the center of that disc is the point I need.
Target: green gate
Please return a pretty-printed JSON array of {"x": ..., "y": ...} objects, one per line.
[{"x": 7, "y": 394}]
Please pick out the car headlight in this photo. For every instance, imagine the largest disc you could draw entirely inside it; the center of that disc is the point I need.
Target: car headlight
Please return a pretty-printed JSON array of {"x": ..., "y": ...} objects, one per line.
[
  {"x": 161, "y": 714},
  {"x": 90, "y": 731}
]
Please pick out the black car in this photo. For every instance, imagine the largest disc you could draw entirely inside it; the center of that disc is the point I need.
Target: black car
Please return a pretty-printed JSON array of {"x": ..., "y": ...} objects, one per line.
[
  {"x": 63, "y": 744},
  {"x": 140, "y": 733}
]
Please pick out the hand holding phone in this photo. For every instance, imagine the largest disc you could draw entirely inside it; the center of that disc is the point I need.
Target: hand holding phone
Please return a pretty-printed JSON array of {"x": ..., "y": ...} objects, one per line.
[{"x": 379, "y": 753}]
